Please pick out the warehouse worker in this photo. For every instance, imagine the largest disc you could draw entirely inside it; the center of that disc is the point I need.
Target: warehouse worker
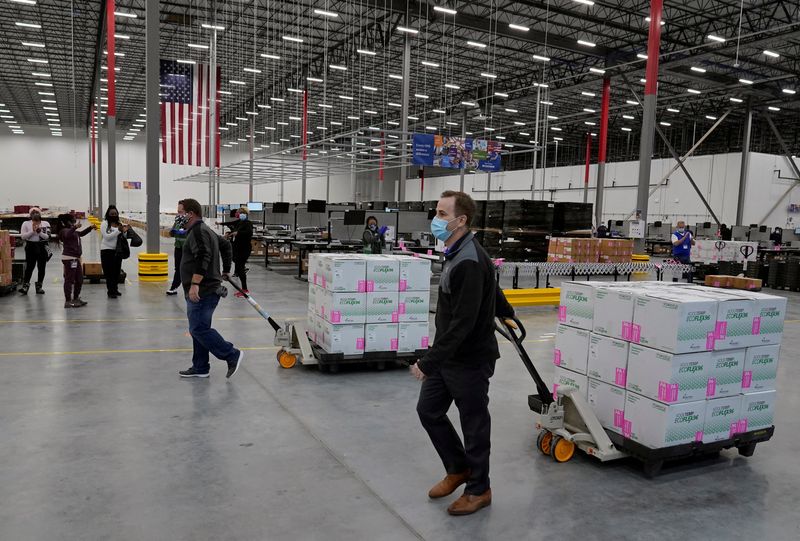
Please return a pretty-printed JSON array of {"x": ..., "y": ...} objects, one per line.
[
  {"x": 374, "y": 237},
  {"x": 241, "y": 236},
  {"x": 178, "y": 231},
  {"x": 36, "y": 234},
  {"x": 459, "y": 364},
  {"x": 202, "y": 284},
  {"x": 682, "y": 242}
]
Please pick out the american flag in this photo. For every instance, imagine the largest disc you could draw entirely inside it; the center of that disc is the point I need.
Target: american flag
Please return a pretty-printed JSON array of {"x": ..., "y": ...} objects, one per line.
[{"x": 185, "y": 113}]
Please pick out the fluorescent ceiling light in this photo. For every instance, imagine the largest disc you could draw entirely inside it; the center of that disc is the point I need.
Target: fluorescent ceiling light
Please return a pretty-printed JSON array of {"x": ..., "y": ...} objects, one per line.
[
  {"x": 251, "y": 113},
  {"x": 519, "y": 123},
  {"x": 125, "y": 14},
  {"x": 431, "y": 128},
  {"x": 231, "y": 124},
  {"x": 626, "y": 129},
  {"x": 789, "y": 91},
  {"x": 40, "y": 74},
  {"x": 45, "y": 94},
  {"x": 421, "y": 96},
  {"x": 718, "y": 39},
  {"x": 736, "y": 100},
  {"x": 393, "y": 104},
  {"x": 334, "y": 123},
  {"x": 477, "y": 44},
  {"x": 698, "y": 70},
  {"x": 628, "y": 117},
  {"x": 28, "y": 25},
  {"x": 353, "y": 118},
  {"x": 122, "y": 36},
  {"x": 597, "y": 71},
  {"x": 251, "y": 70},
  {"x": 586, "y": 110},
  {"x": 37, "y": 61},
  {"x": 512, "y": 111},
  {"x": 295, "y": 118},
  {"x": 541, "y": 58},
  {"x": 671, "y": 110},
  {"x": 260, "y": 106},
  {"x": 366, "y": 51},
  {"x": 270, "y": 56},
  {"x": 235, "y": 82},
  {"x": 631, "y": 102},
  {"x": 647, "y": 19},
  {"x": 710, "y": 117},
  {"x": 225, "y": 92},
  {"x": 643, "y": 81},
  {"x": 346, "y": 97},
  {"x": 281, "y": 123},
  {"x": 294, "y": 90},
  {"x": 27, "y": 2},
  {"x": 589, "y": 94},
  {"x": 440, "y": 111},
  {"x": 325, "y": 13},
  {"x": 469, "y": 103},
  {"x": 555, "y": 128},
  {"x": 340, "y": 68},
  {"x": 641, "y": 56},
  {"x": 276, "y": 99},
  {"x": 31, "y": 44},
  {"x": 586, "y": 43},
  {"x": 429, "y": 64},
  {"x": 665, "y": 124},
  {"x": 370, "y": 88},
  {"x": 746, "y": 81},
  {"x": 451, "y": 123},
  {"x": 518, "y": 27},
  {"x": 270, "y": 128},
  {"x": 585, "y": 2},
  {"x": 393, "y": 123},
  {"x": 326, "y": 106},
  {"x": 407, "y": 30},
  {"x": 692, "y": 91},
  {"x": 44, "y": 84},
  {"x": 292, "y": 39},
  {"x": 444, "y": 10},
  {"x": 186, "y": 62},
  {"x": 412, "y": 117},
  {"x": 772, "y": 108},
  {"x": 526, "y": 134},
  {"x": 772, "y": 54},
  {"x": 543, "y": 102},
  {"x": 395, "y": 76},
  {"x": 450, "y": 85},
  {"x": 370, "y": 112},
  {"x": 501, "y": 94},
  {"x": 590, "y": 123},
  {"x": 322, "y": 128},
  {"x": 488, "y": 75},
  {"x": 314, "y": 79}
]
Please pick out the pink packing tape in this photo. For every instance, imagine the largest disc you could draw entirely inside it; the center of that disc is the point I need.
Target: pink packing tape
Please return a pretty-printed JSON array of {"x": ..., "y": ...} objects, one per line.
[
  {"x": 562, "y": 313},
  {"x": 619, "y": 418},
  {"x": 710, "y": 341},
  {"x": 401, "y": 308},
  {"x": 667, "y": 392},
  {"x": 626, "y": 330},
  {"x": 711, "y": 387},
  {"x": 370, "y": 286},
  {"x": 627, "y": 428},
  {"x": 430, "y": 252},
  {"x": 756, "y": 325},
  {"x": 747, "y": 379},
  {"x": 393, "y": 344},
  {"x": 721, "y": 330},
  {"x": 734, "y": 429},
  {"x": 698, "y": 436},
  {"x": 359, "y": 343},
  {"x": 425, "y": 342},
  {"x": 557, "y": 357},
  {"x": 362, "y": 286},
  {"x": 741, "y": 426},
  {"x": 555, "y": 391},
  {"x": 336, "y": 316},
  {"x": 636, "y": 333},
  {"x": 621, "y": 377},
  {"x": 395, "y": 317},
  {"x": 403, "y": 285}
]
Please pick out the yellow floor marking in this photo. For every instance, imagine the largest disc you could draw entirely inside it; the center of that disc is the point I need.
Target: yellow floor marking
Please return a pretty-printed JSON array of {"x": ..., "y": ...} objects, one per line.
[{"x": 112, "y": 351}]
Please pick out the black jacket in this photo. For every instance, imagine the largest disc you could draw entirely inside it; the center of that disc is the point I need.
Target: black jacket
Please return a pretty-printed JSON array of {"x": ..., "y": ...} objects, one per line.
[
  {"x": 242, "y": 246},
  {"x": 201, "y": 255},
  {"x": 469, "y": 300}
]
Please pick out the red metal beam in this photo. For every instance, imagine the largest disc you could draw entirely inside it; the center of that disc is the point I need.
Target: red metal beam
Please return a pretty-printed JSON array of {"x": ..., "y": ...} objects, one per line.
[
  {"x": 653, "y": 44},
  {"x": 606, "y": 99},
  {"x": 111, "y": 59}
]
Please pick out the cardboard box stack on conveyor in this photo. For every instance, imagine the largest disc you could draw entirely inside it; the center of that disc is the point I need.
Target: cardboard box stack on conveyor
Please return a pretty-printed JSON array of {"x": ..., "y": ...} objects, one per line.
[
  {"x": 666, "y": 364},
  {"x": 580, "y": 250},
  {"x": 368, "y": 303},
  {"x": 5, "y": 258}
]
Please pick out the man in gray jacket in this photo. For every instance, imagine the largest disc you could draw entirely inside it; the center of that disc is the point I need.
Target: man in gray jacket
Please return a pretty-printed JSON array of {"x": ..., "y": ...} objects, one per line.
[{"x": 202, "y": 283}]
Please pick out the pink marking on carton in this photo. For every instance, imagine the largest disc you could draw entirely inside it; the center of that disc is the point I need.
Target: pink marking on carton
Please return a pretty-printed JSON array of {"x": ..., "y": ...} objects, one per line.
[
  {"x": 747, "y": 379},
  {"x": 403, "y": 285},
  {"x": 710, "y": 341},
  {"x": 557, "y": 357},
  {"x": 555, "y": 391},
  {"x": 395, "y": 317},
  {"x": 619, "y": 418},
  {"x": 430, "y": 252},
  {"x": 626, "y": 330},
  {"x": 734, "y": 429},
  {"x": 362, "y": 286},
  {"x": 756, "y": 325},
  {"x": 742, "y": 426},
  {"x": 324, "y": 282},
  {"x": 394, "y": 344},
  {"x": 425, "y": 342},
  {"x": 416, "y": 255},
  {"x": 359, "y": 343},
  {"x": 621, "y": 377},
  {"x": 336, "y": 316},
  {"x": 711, "y": 387},
  {"x": 322, "y": 311},
  {"x": 315, "y": 279},
  {"x": 401, "y": 243},
  {"x": 562, "y": 313},
  {"x": 627, "y": 428},
  {"x": 401, "y": 308},
  {"x": 698, "y": 436},
  {"x": 721, "y": 330},
  {"x": 370, "y": 286},
  {"x": 636, "y": 333},
  {"x": 667, "y": 392}
]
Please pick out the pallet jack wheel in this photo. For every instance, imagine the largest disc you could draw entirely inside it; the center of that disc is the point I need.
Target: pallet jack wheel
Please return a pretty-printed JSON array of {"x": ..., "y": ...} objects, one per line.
[
  {"x": 544, "y": 442},
  {"x": 561, "y": 450},
  {"x": 286, "y": 359}
]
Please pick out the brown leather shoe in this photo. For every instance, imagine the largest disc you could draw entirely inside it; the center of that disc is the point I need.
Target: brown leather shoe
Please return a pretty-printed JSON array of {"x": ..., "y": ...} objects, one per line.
[
  {"x": 468, "y": 503},
  {"x": 448, "y": 485}
]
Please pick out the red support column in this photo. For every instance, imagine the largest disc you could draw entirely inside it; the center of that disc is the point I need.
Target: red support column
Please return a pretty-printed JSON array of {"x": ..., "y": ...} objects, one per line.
[
  {"x": 602, "y": 150},
  {"x": 111, "y": 61}
]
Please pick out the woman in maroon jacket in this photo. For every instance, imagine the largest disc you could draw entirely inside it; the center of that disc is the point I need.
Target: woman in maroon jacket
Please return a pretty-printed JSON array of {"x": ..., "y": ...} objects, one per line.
[{"x": 70, "y": 239}]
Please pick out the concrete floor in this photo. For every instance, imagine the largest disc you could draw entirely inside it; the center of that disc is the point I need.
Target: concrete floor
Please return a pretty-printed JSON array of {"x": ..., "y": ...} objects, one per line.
[{"x": 100, "y": 439}]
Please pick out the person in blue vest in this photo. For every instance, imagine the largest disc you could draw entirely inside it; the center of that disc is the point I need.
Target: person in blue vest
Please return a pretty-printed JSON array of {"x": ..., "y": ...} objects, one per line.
[{"x": 682, "y": 242}]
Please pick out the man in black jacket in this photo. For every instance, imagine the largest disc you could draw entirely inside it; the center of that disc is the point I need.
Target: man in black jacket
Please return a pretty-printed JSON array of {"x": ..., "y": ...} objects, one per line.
[
  {"x": 459, "y": 364},
  {"x": 202, "y": 283}
]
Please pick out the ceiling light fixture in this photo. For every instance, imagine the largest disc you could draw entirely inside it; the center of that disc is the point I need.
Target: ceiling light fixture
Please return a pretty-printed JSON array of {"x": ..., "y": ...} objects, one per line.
[
  {"x": 665, "y": 124},
  {"x": 367, "y": 52},
  {"x": 35, "y": 45},
  {"x": 122, "y": 36},
  {"x": 349, "y": 98},
  {"x": 586, "y": 43},
  {"x": 626, "y": 129},
  {"x": 292, "y": 39},
  {"x": 543, "y": 102},
  {"x": 541, "y": 58},
  {"x": 429, "y": 64},
  {"x": 421, "y": 96},
  {"x": 450, "y": 85},
  {"x": 477, "y": 44},
  {"x": 251, "y": 70},
  {"x": 125, "y": 14},
  {"x": 512, "y": 111},
  {"x": 597, "y": 71},
  {"x": 789, "y": 91},
  {"x": 772, "y": 108},
  {"x": 501, "y": 94},
  {"x": 736, "y": 100},
  {"x": 337, "y": 67},
  {"x": 693, "y": 91},
  {"x": 444, "y": 10},
  {"x": 440, "y": 111},
  {"x": 588, "y": 94},
  {"x": 671, "y": 110},
  {"x": 186, "y": 62},
  {"x": 29, "y": 25},
  {"x": 407, "y": 30},
  {"x": 393, "y": 104},
  {"x": 718, "y": 39},
  {"x": 325, "y": 13},
  {"x": 698, "y": 70},
  {"x": 235, "y": 82},
  {"x": 585, "y": 110},
  {"x": 488, "y": 75},
  {"x": 469, "y": 103},
  {"x": 395, "y": 76},
  {"x": 270, "y": 56},
  {"x": 746, "y": 81},
  {"x": 518, "y": 27}
]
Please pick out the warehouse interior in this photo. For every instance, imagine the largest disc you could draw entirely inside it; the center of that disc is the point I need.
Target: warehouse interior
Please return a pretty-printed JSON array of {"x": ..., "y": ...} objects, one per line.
[{"x": 585, "y": 131}]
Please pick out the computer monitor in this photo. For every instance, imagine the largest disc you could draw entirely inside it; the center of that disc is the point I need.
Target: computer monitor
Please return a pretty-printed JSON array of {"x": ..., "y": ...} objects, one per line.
[
  {"x": 431, "y": 214},
  {"x": 797, "y": 230},
  {"x": 316, "y": 205},
  {"x": 280, "y": 208},
  {"x": 355, "y": 217},
  {"x": 255, "y": 206}
]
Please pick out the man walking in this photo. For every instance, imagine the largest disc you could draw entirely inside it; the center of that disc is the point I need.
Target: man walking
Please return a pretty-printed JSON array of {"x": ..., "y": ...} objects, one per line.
[
  {"x": 682, "y": 242},
  {"x": 202, "y": 284},
  {"x": 459, "y": 364}
]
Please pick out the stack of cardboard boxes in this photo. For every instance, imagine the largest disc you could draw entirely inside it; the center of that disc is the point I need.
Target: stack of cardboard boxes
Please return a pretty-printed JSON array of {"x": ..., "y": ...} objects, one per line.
[
  {"x": 667, "y": 364},
  {"x": 366, "y": 303},
  {"x": 5, "y": 257},
  {"x": 714, "y": 251},
  {"x": 577, "y": 250}
]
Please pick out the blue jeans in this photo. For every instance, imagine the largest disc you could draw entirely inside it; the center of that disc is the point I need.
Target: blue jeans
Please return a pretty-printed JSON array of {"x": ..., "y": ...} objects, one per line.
[{"x": 204, "y": 338}]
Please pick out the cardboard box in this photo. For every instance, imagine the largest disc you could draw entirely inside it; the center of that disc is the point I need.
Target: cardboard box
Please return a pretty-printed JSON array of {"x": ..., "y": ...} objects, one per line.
[
  {"x": 613, "y": 312},
  {"x": 674, "y": 321},
  {"x": 382, "y": 273},
  {"x": 656, "y": 424},
  {"x": 608, "y": 403},
  {"x": 345, "y": 339},
  {"x": 413, "y": 306},
  {"x": 768, "y": 322},
  {"x": 313, "y": 293},
  {"x": 735, "y": 316},
  {"x": 412, "y": 336},
  {"x": 382, "y": 307},
  {"x": 577, "y": 305},
  {"x": 344, "y": 274},
  {"x": 668, "y": 377},
  {"x": 92, "y": 269},
  {"x": 568, "y": 378},
  {"x": 572, "y": 348},
  {"x": 725, "y": 378},
  {"x": 341, "y": 308},
  {"x": 381, "y": 337},
  {"x": 415, "y": 274},
  {"x": 722, "y": 418},
  {"x": 758, "y": 411},
  {"x": 718, "y": 280},
  {"x": 760, "y": 368},
  {"x": 608, "y": 360}
]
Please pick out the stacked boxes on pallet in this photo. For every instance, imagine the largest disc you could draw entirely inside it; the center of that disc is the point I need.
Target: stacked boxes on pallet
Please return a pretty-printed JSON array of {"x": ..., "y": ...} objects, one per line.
[
  {"x": 368, "y": 303},
  {"x": 669, "y": 364},
  {"x": 580, "y": 250},
  {"x": 5, "y": 257}
]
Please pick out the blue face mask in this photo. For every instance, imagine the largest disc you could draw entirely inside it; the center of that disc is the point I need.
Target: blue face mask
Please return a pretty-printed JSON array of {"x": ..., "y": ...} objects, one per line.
[
  {"x": 681, "y": 230},
  {"x": 439, "y": 229},
  {"x": 243, "y": 216}
]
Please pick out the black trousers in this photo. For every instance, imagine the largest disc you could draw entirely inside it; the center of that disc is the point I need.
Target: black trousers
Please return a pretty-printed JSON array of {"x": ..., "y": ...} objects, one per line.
[
  {"x": 176, "y": 279},
  {"x": 240, "y": 261},
  {"x": 112, "y": 266},
  {"x": 35, "y": 256},
  {"x": 468, "y": 386}
]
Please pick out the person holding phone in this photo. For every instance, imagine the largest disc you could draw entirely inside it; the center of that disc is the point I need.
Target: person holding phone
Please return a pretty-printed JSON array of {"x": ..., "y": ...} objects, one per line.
[
  {"x": 682, "y": 242},
  {"x": 70, "y": 236},
  {"x": 36, "y": 234},
  {"x": 110, "y": 229}
]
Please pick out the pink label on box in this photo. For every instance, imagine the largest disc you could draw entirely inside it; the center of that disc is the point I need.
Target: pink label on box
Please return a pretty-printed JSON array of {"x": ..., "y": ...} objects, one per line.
[
  {"x": 315, "y": 279},
  {"x": 430, "y": 252},
  {"x": 322, "y": 311},
  {"x": 621, "y": 377},
  {"x": 756, "y": 325},
  {"x": 747, "y": 379},
  {"x": 403, "y": 285},
  {"x": 424, "y": 342},
  {"x": 627, "y": 428},
  {"x": 626, "y": 330},
  {"x": 324, "y": 282},
  {"x": 698, "y": 436},
  {"x": 393, "y": 344},
  {"x": 734, "y": 429},
  {"x": 667, "y": 392},
  {"x": 742, "y": 426},
  {"x": 711, "y": 387},
  {"x": 395, "y": 317},
  {"x": 359, "y": 343},
  {"x": 710, "y": 340},
  {"x": 401, "y": 243},
  {"x": 562, "y": 313},
  {"x": 401, "y": 308},
  {"x": 721, "y": 330},
  {"x": 362, "y": 286},
  {"x": 555, "y": 391},
  {"x": 416, "y": 255},
  {"x": 370, "y": 286},
  {"x": 557, "y": 357},
  {"x": 619, "y": 418},
  {"x": 636, "y": 333},
  {"x": 336, "y": 316}
]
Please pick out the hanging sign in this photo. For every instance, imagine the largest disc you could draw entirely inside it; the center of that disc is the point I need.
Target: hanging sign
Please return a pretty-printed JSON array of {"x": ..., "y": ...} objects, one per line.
[
  {"x": 455, "y": 152},
  {"x": 129, "y": 185}
]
